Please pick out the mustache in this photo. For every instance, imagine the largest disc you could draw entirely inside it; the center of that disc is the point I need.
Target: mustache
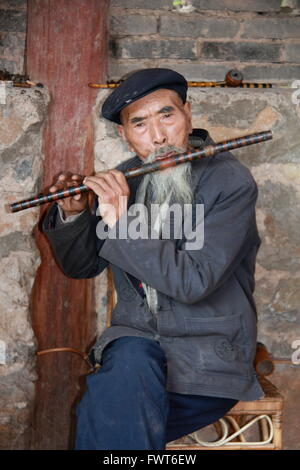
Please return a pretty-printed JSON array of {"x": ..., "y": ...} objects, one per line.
[{"x": 162, "y": 152}]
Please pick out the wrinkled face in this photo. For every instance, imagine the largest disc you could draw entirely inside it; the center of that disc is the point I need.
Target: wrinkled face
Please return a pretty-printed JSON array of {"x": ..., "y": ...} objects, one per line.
[{"x": 158, "y": 120}]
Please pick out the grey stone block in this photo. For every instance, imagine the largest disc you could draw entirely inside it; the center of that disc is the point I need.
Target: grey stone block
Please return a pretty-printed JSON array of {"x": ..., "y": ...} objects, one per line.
[
  {"x": 12, "y": 44},
  {"x": 292, "y": 53},
  {"x": 238, "y": 5},
  {"x": 153, "y": 5},
  {"x": 133, "y": 25},
  {"x": 200, "y": 71},
  {"x": 153, "y": 48},
  {"x": 12, "y": 4},
  {"x": 15, "y": 241},
  {"x": 244, "y": 51},
  {"x": 13, "y": 20},
  {"x": 12, "y": 66},
  {"x": 274, "y": 72},
  {"x": 277, "y": 28},
  {"x": 194, "y": 26}
]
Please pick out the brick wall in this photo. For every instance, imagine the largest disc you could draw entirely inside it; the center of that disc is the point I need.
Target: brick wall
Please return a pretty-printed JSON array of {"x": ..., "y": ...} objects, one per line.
[
  {"x": 12, "y": 35},
  {"x": 258, "y": 37}
]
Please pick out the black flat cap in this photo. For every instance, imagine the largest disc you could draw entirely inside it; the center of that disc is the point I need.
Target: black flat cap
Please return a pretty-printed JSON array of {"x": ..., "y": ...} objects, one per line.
[{"x": 139, "y": 84}]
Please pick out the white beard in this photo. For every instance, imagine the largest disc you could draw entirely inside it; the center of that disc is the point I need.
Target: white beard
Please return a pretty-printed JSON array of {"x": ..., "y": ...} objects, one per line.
[{"x": 172, "y": 185}]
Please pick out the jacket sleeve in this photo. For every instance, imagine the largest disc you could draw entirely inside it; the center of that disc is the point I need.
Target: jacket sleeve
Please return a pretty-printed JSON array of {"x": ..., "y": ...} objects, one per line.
[
  {"x": 190, "y": 275},
  {"x": 75, "y": 245}
]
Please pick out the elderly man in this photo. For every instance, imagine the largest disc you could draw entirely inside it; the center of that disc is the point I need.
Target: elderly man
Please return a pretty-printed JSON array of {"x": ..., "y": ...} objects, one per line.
[{"x": 179, "y": 352}]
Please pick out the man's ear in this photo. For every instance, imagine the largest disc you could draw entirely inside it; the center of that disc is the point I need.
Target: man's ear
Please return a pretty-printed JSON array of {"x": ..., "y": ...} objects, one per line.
[
  {"x": 188, "y": 111},
  {"x": 121, "y": 132}
]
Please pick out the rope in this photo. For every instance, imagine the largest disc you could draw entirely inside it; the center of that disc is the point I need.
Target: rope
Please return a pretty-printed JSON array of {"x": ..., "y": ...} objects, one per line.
[
  {"x": 225, "y": 439},
  {"x": 72, "y": 350}
]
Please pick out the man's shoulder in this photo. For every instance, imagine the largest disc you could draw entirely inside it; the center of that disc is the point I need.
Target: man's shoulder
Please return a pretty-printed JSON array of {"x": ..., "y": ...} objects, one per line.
[
  {"x": 223, "y": 171},
  {"x": 228, "y": 166}
]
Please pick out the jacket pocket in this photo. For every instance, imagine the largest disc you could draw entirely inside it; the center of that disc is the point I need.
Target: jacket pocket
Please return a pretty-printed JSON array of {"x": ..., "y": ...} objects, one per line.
[
  {"x": 228, "y": 325},
  {"x": 219, "y": 344},
  {"x": 221, "y": 338}
]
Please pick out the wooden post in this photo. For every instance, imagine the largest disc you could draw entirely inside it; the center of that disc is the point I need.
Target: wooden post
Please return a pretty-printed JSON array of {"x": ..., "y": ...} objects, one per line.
[{"x": 66, "y": 49}]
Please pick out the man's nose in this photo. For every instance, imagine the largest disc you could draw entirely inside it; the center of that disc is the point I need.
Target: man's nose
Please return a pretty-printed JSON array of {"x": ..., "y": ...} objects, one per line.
[{"x": 158, "y": 135}]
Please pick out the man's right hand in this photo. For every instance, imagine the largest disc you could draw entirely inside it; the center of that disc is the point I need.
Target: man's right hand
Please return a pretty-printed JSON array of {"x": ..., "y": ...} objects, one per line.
[{"x": 70, "y": 205}]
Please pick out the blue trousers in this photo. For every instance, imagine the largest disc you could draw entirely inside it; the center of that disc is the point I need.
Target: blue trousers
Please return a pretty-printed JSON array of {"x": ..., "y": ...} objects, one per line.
[{"x": 126, "y": 404}]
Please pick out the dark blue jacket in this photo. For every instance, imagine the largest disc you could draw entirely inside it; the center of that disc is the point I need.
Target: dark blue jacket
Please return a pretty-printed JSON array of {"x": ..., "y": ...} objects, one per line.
[{"x": 206, "y": 319}]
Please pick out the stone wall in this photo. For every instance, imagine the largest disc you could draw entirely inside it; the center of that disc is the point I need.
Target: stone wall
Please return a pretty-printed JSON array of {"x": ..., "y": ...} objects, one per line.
[
  {"x": 13, "y": 35},
  {"x": 258, "y": 37},
  {"x": 21, "y": 117}
]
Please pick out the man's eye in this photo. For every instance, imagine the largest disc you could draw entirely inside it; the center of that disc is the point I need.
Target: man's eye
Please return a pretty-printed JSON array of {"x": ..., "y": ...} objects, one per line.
[
  {"x": 139, "y": 124},
  {"x": 167, "y": 115}
]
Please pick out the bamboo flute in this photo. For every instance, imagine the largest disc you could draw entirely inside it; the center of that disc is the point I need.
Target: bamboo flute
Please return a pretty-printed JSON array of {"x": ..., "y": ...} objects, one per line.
[{"x": 161, "y": 164}]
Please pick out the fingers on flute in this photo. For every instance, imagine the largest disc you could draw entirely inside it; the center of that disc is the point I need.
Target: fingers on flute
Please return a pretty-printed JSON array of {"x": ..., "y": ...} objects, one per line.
[
  {"x": 98, "y": 185},
  {"x": 108, "y": 184},
  {"x": 122, "y": 181},
  {"x": 67, "y": 180}
]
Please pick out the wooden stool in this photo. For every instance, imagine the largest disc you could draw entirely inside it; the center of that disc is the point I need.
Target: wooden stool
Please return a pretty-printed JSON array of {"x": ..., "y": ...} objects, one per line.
[{"x": 267, "y": 411}]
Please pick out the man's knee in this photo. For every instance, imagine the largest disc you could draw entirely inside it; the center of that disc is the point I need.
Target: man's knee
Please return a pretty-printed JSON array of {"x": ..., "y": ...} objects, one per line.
[{"x": 135, "y": 352}]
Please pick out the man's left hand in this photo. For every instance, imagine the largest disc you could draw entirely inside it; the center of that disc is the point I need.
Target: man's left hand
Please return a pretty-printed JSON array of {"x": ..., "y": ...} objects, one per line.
[{"x": 113, "y": 192}]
